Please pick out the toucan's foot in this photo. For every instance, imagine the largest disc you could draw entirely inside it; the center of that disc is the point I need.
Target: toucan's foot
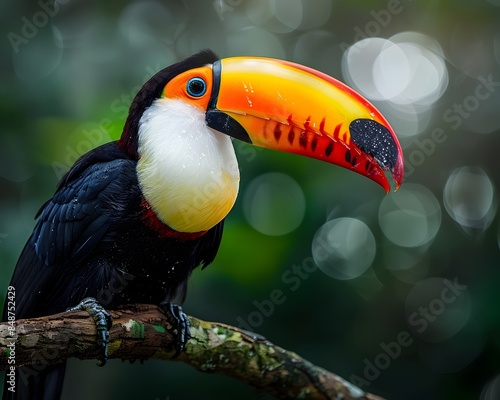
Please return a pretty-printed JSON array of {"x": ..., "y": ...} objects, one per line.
[
  {"x": 181, "y": 325},
  {"x": 103, "y": 322}
]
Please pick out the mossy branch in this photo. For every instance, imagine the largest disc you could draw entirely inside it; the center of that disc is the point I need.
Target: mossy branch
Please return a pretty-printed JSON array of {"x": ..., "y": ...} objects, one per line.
[{"x": 143, "y": 332}]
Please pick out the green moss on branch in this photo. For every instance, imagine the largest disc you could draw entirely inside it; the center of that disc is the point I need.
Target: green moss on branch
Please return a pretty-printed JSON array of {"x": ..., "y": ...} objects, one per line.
[{"x": 144, "y": 332}]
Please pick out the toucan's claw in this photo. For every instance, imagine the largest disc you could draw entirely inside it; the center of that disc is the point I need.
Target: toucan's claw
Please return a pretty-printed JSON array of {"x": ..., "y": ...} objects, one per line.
[
  {"x": 180, "y": 324},
  {"x": 103, "y": 322}
]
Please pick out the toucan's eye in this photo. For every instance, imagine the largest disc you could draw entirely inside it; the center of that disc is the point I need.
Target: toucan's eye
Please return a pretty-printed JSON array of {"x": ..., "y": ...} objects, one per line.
[{"x": 196, "y": 87}]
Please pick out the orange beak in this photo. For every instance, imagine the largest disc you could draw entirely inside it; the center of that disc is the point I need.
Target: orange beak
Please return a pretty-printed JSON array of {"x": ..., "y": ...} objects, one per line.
[{"x": 285, "y": 106}]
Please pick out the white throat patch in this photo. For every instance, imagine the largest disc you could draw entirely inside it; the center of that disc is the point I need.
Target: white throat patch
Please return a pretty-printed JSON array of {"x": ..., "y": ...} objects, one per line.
[{"x": 188, "y": 172}]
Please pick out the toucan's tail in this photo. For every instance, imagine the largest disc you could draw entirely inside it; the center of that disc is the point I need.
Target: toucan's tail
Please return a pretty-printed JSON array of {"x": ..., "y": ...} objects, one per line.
[{"x": 30, "y": 383}]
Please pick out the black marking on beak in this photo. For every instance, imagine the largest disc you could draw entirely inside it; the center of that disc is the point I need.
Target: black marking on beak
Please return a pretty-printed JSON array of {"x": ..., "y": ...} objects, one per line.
[
  {"x": 214, "y": 96},
  {"x": 219, "y": 120},
  {"x": 376, "y": 140}
]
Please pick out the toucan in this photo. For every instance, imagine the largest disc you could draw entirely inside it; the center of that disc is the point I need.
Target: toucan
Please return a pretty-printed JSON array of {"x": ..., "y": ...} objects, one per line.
[{"x": 132, "y": 218}]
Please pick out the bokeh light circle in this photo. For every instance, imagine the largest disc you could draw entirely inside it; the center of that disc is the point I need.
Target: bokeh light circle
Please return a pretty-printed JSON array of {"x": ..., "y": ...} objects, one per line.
[
  {"x": 316, "y": 48},
  {"x": 251, "y": 40},
  {"x": 407, "y": 69},
  {"x": 274, "y": 204},
  {"x": 453, "y": 355},
  {"x": 406, "y": 263},
  {"x": 411, "y": 217},
  {"x": 144, "y": 22},
  {"x": 357, "y": 63},
  {"x": 315, "y": 13},
  {"x": 39, "y": 56},
  {"x": 278, "y": 16},
  {"x": 285, "y": 16},
  {"x": 437, "y": 309},
  {"x": 344, "y": 248},
  {"x": 391, "y": 71},
  {"x": 492, "y": 390},
  {"x": 408, "y": 120},
  {"x": 469, "y": 197}
]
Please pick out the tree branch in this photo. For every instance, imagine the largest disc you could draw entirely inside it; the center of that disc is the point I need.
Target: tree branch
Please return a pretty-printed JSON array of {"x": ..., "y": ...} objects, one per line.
[{"x": 142, "y": 332}]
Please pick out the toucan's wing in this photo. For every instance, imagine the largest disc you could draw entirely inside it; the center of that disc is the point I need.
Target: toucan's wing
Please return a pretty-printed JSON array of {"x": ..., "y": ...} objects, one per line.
[
  {"x": 69, "y": 227},
  {"x": 208, "y": 245}
]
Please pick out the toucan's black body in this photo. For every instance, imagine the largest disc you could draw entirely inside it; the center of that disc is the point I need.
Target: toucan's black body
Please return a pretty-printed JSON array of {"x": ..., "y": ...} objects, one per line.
[
  {"x": 91, "y": 240},
  {"x": 95, "y": 238}
]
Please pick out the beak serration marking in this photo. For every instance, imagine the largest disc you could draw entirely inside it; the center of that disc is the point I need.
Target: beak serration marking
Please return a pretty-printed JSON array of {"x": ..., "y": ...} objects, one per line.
[
  {"x": 337, "y": 131},
  {"x": 303, "y": 139},
  {"x": 348, "y": 156},
  {"x": 291, "y": 135},
  {"x": 322, "y": 126},
  {"x": 329, "y": 149},
  {"x": 314, "y": 144},
  {"x": 277, "y": 132},
  {"x": 323, "y": 144}
]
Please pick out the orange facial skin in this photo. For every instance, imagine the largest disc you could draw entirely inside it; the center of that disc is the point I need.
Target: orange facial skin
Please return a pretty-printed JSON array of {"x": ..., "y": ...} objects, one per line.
[{"x": 177, "y": 87}]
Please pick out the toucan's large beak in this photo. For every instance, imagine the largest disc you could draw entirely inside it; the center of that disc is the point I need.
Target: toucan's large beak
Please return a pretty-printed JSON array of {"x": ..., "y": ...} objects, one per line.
[{"x": 285, "y": 106}]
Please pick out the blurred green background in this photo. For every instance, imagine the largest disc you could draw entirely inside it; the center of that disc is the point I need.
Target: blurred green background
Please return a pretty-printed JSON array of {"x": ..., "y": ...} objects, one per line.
[{"x": 405, "y": 301}]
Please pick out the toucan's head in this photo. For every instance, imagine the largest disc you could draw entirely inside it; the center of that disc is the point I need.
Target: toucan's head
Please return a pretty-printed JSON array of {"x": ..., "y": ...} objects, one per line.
[{"x": 180, "y": 123}]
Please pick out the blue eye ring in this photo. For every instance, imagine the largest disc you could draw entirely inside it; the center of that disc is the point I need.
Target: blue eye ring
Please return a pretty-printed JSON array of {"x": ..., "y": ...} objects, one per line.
[{"x": 196, "y": 87}]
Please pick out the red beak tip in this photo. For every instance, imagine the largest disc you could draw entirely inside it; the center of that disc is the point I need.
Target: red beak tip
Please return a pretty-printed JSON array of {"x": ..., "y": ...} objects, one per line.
[{"x": 399, "y": 171}]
